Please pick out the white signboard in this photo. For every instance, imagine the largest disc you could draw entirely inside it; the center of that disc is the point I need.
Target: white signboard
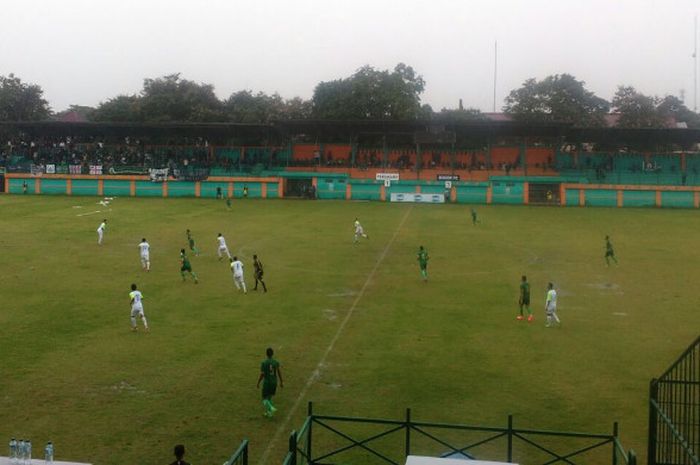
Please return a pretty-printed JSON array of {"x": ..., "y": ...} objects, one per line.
[
  {"x": 50, "y": 169},
  {"x": 448, "y": 184},
  {"x": 158, "y": 175},
  {"x": 387, "y": 176},
  {"x": 387, "y": 183},
  {"x": 419, "y": 198},
  {"x": 419, "y": 460}
]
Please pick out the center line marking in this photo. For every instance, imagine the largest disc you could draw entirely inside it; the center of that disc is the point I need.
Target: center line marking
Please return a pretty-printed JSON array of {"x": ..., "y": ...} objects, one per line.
[{"x": 317, "y": 371}]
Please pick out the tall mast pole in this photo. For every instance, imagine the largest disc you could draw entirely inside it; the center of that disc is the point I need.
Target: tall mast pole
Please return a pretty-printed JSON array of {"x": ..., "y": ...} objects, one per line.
[{"x": 495, "y": 71}]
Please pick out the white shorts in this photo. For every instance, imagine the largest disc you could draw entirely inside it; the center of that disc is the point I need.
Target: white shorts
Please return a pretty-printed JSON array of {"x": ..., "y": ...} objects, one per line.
[
  {"x": 238, "y": 278},
  {"x": 359, "y": 232},
  {"x": 137, "y": 312},
  {"x": 145, "y": 258},
  {"x": 551, "y": 310}
]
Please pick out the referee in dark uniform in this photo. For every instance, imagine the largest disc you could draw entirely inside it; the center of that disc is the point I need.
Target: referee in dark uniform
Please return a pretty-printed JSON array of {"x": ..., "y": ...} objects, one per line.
[{"x": 258, "y": 273}]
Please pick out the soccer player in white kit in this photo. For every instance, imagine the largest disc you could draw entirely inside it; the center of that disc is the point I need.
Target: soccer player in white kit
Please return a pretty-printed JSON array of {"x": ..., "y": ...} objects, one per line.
[
  {"x": 359, "y": 232},
  {"x": 137, "y": 308},
  {"x": 101, "y": 231},
  {"x": 550, "y": 306},
  {"x": 237, "y": 269},
  {"x": 223, "y": 249},
  {"x": 144, "y": 250}
]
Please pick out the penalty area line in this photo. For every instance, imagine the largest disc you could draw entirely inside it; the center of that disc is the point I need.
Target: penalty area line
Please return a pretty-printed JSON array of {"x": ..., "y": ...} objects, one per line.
[{"x": 316, "y": 373}]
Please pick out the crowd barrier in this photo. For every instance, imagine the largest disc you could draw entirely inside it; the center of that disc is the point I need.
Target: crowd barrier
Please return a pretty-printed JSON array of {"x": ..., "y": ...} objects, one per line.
[{"x": 498, "y": 190}]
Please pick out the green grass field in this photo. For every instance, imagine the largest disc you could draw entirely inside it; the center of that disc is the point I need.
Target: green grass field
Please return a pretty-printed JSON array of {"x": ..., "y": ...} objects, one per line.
[{"x": 451, "y": 349}]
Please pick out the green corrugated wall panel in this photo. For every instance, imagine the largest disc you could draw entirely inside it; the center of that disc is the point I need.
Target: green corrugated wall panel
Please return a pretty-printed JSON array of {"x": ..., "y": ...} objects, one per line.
[
  {"x": 53, "y": 186},
  {"x": 330, "y": 188},
  {"x": 181, "y": 189},
  {"x": 572, "y": 197},
  {"x": 149, "y": 189},
  {"x": 113, "y": 188},
  {"x": 433, "y": 189},
  {"x": 208, "y": 189},
  {"x": 601, "y": 198},
  {"x": 638, "y": 198},
  {"x": 400, "y": 188},
  {"x": 254, "y": 189},
  {"x": 507, "y": 192},
  {"x": 84, "y": 187},
  {"x": 677, "y": 199},
  {"x": 273, "y": 190},
  {"x": 16, "y": 185},
  {"x": 366, "y": 191},
  {"x": 471, "y": 194}
]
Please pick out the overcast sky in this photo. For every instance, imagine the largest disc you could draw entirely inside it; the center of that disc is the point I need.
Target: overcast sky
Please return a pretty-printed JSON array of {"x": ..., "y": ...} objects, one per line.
[{"x": 87, "y": 51}]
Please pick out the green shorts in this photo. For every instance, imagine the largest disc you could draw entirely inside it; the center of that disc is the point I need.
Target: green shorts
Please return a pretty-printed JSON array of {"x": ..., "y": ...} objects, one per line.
[
  {"x": 268, "y": 390},
  {"x": 184, "y": 268}
]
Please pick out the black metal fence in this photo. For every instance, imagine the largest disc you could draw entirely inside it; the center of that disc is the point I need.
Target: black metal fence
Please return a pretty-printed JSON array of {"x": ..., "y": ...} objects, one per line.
[
  {"x": 674, "y": 412},
  {"x": 240, "y": 457},
  {"x": 326, "y": 439}
]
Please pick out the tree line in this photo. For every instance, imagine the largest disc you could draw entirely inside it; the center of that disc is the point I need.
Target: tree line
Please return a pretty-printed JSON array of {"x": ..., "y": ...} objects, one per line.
[{"x": 367, "y": 94}]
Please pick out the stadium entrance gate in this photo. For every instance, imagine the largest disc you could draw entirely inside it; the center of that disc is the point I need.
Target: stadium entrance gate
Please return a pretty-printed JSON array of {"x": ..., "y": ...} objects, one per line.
[
  {"x": 544, "y": 194},
  {"x": 674, "y": 412},
  {"x": 298, "y": 187}
]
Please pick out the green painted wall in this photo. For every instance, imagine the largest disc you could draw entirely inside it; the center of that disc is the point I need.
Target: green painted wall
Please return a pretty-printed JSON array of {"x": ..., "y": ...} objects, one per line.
[
  {"x": 507, "y": 192},
  {"x": 181, "y": 189},
  {"x": 638, "y": 198},
  {"x": 15, "y": 186},
  {"x": 330, "y": 187},
  {"x": 84, "y": 187},
  {"x": 53, "y": 186},
  {"x": 572, "y": 197},
  {"x": 365, "y": 191},
  {"x": 149, "y": 189},
  {"x": 273, "y": 190},
  {"x": 117, "y": 188},
  {"x": 471, "y": 193},
  {"x": 254, "y": 189},
  {"x": 677, "y": 199},
  {"x": 601, "y": 198}
]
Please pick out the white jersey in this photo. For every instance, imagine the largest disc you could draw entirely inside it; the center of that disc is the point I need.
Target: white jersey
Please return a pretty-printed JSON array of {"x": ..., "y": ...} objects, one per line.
[
  {"x": 144, "y": 247},
  {"x": 551, "y": 299},
  {"x": 102, "y": 227},
  {"x": 358, "y": 228},
  {"x": 222, "y": 242},
  {"x": 237, "y": 268},
  {"x": 136, "y": 299}
]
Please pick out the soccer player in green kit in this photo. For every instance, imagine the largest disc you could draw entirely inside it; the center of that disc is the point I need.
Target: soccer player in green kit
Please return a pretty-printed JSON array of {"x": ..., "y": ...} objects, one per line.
[
  {"x": 423, "y": 262},
  {"x": 524, "y": 300},
  {"x": 269, "y": 373},
  {"x": 609, "y": 252},
  {"x": 185, "y": 266},
  {"x": 190, "y": 241}
]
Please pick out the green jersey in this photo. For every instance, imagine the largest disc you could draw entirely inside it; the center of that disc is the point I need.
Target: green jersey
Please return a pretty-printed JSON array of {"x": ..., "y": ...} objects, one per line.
[
  {"x": 269, "y": 369},
  {"x": 608, "y": 247},
  {"x": 185, "y": 262},
  {"x": 525, "y": 290},
  {"x": 423, "y": 258}
]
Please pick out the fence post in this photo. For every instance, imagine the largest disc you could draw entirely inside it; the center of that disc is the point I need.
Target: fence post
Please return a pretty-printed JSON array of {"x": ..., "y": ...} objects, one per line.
[
  {"x": 631, "y": 457},
  {"x": 293, "y": 448},
  {"x": 510, "y": 439},
  {"x": 408, "y": 432},
  {"x": 614, "y": 444},
  {"x": 310, "y": 414},
  {"x": 245, "y": 453},
  {"x": 651, "y": 441}
]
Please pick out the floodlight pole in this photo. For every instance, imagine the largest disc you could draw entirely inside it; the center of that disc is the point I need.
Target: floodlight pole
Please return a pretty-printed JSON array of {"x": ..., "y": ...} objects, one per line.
[
  {"x": 495, "y": 71},
  {"x": 695, "y": 65}
]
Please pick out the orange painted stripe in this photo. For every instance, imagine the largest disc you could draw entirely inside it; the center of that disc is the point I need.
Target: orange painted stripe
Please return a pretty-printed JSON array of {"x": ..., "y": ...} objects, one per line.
[
  {"x": 526, "y": 193},
  {"x": 230, "y": 190},
  {"x": 37, "y": 186},
  {"x": 132, "y": 188},
  {"x": 348, "y": 191},
  {"x": 696, "y": 199},
  {"x": 69, "y": 186},
  {"x": 197, "y": 189},
  {"x": 453, "y": 194},
  {"x": 382, "y": 193},
  {"x": 165, "y": 189},
  {"x": 620, "y": 198},
  {"x": 280, "y": 188},
  {"x": 489, "y": 195},
  {"x": 658, "y": 198},
  {"x": 581, "y": 198},
  {"x": 100, "y": 187},
  {"x": 263, "y": 190}
]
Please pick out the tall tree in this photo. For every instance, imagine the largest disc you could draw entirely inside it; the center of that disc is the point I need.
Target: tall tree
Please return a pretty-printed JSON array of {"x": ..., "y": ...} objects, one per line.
[
  {"x": 170, "y": 98},
  {"x": 673, "y": 107},
  {"x": 245, "y": 107},
  {"x": 123, "y": 108},
  {"x": 20, "y": 101},
  {"x": 371, "y": 94},
  {"x": 557, "y": 98},
  {"x": 636, "y": 109}
]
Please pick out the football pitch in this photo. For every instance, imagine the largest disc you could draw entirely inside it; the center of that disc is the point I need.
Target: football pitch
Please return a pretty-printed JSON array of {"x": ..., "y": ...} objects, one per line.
[{"x": 354, "y": 327}]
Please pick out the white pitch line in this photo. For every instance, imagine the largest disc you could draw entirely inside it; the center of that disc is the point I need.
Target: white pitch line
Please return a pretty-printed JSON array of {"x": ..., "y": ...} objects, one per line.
[
  {"x": 88, "y": 213},
  {"x": 317, "y": 371}
]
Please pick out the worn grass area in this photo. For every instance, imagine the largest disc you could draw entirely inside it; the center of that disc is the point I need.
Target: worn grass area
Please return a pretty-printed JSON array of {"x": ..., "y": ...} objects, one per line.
[{"x": 451, "y": 349}]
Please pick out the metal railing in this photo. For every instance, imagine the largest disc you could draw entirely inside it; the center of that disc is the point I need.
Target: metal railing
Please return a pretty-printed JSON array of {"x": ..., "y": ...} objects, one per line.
[
  {"x": 393, "y": 440},
  {"x": 674, "y": 412},
  {"x": 240, "y": 457}
]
